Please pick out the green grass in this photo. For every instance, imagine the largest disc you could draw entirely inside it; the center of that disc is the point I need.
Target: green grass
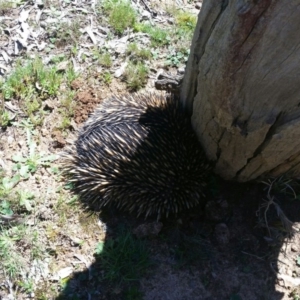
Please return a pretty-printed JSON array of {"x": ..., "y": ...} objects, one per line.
[
  {"x": 6, "y": 5},
  {"x": 186, "y": 21},
  {"x": 175, "y": 57},
  {"x": 65, "y": 122},
  {"x": 66, "y": 34},
  {"x": 13, "y": 199},
  {"x": 29, "y": 163},
  {"x": 6, "y": 195},
  {"x": 4, "y": 118},
  {"x": 31, "y": 78},
  {"x": 123, "y": 259},
  {"x": 105, "y": 60},
  {"x": 15, "y": 240},
  {"x": 58, "y": 58},
  {"x": 159, "y": 37},
  {"x": 18, "y": 246},
  {"x": 67, "y": 102},
  {"x": 103, "y": 57},
  {"x": 121, "y": 15},
  {"x": 70, "y": 75},
  {"x": 67, "y": 108},
  {"x": 106, "y": 78},
  {"x": 31, "y": 83},
  {"x": 295, "y": 294},
  {"x": 136, "y": 75},
  {"x": 11, "y": 259},
  {"x": 137, "y": 52},
  {"x": 183, "y": 19}
]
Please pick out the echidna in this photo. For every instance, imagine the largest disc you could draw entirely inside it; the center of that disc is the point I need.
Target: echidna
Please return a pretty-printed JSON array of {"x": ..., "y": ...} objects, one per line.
[{"x": 139, "y": 153}]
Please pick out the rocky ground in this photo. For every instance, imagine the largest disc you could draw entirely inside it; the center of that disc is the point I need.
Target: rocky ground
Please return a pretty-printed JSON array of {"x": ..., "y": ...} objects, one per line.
[{"x": 58, "y": 60}]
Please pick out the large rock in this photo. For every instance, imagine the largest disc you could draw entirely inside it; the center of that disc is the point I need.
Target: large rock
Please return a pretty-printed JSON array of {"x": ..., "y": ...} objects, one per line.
[{"x": 242, "y": 86}]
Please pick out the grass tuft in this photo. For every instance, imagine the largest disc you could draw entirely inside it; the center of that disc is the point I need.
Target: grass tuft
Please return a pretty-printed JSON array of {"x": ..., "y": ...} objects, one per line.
[
  {"x": 123, "y": 259},
  {"x": 136, "y": 75},
  {"x": 139, "y": 53},
  {"x": 159, "y": 37},
  {"x": 29, "y": 79},
  {"x": 186, "y": 21},
  {"x": 121, "y": 15},
  {"x": 103, "y": 57},
  {"x": 7, "y": 5}
]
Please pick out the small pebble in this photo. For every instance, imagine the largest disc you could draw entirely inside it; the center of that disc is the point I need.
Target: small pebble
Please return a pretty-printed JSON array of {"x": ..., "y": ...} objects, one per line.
[
  {"x": 75, "y": 241},
  {"x": 198, "y": 5},
  {"x": 170, "y": 21},
  {"x": 146, "y": 15},
  {"x": 181, "y": 70},
  {"x": 294, "y": 248}
]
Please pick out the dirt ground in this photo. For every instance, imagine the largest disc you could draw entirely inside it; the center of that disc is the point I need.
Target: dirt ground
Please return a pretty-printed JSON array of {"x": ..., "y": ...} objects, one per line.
[
  {"x": 230, "y": 257},
  {"x": 235, "y": 247}
]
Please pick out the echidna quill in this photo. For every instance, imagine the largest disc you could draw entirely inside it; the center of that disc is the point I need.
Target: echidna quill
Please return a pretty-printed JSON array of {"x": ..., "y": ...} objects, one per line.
[{"x": 138, "y": 153}]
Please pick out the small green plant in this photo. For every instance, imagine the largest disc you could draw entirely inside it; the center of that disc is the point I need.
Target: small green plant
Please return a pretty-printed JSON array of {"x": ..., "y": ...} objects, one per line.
[
  {"x": 32, "y": 105},
  {"x": 295, "y": 294},
  {"x": 27, "y": 285},
  {"x": 30, "y": 163},
  {"x": 159, "y": 37},
  {"x": 123, "y": 259},
  {"x": 105, "y": 60},
  {"x": 8, "y": 183},
  {"x": 66, "y": 110},
  {"x": 5, "y": 208},
  {"x": 65, "y": 121},
  {"x": 68, "y": 33},
  {"x": 18, "y": 246},
  {"x": 58, "y": 58},
  {"x": 103, "y": 57},
  {"x": 135, "y": 75},
  {"x": 175, "y": 58},
  {"x": 4, "y": 118},
  {"x": 12, "y": 261},
  {"x": 33, "y": 108},
  {"x": 186, "y": 21},
  {"x": 107, "y": 78},
  {"x": 74, "y": 50},
  {"x": 137, "y": 52},
  {"x": 30, "y": 79},
  {"x": 26, "y": 124},
  {"x": 284, "y": 185},
  {"x": 71, "y": 75},
  {"x": 120, "y": 13},
  {"x": 6, "y": 5},
  {"x": 25, "y": 199},
  {"x": 67, "y": 101}
]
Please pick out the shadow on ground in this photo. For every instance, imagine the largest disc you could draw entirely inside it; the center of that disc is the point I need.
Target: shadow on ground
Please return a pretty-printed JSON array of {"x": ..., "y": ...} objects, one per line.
[{"x": 186, "y": 260}]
